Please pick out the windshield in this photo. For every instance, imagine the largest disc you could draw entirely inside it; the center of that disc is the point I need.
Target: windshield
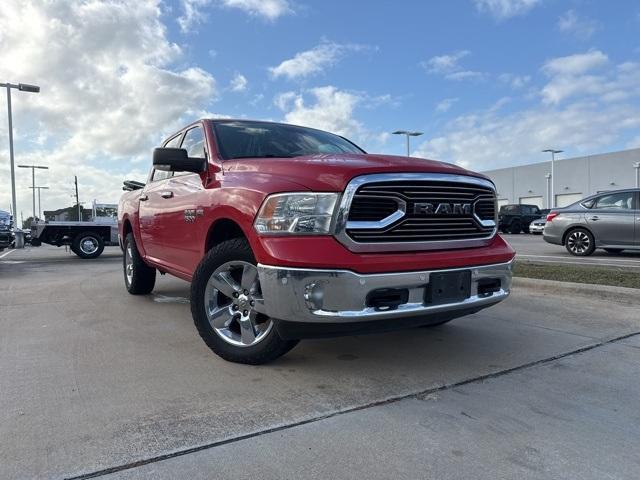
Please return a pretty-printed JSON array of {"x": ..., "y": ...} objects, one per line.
[{"x": 240, "y": 139}]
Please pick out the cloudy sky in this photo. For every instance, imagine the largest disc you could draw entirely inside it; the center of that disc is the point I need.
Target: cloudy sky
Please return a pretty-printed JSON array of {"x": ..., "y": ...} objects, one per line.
[{"x": 489, "y": 82}]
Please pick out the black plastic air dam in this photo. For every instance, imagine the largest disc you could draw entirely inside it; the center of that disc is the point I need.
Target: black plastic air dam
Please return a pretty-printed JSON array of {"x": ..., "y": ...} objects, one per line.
[{"x": 300, "y": 330}]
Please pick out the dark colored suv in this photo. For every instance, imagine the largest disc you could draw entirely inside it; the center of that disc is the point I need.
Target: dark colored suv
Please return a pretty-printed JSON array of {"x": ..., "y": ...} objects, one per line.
[{"x": 514, "y": 218}]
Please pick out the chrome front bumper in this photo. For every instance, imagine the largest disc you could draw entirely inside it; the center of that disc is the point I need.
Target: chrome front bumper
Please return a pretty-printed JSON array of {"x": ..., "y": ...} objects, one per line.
[{"x": 340, "y": 296}]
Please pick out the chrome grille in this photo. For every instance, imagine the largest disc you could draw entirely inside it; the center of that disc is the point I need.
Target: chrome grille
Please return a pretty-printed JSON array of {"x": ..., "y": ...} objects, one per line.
[{"x": 433, "y": 210}]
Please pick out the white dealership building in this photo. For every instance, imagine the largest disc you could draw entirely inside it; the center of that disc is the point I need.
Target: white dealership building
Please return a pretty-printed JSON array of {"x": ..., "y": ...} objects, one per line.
[{"x": 576, "y": 178}]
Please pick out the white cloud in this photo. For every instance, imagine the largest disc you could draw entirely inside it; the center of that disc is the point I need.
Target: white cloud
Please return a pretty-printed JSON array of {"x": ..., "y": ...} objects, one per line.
[
  {"x": 449, "y": 66},
  {"x": 575, "y": 64},
  {"x": 465, "y": 75},
  {"x": 267, "y": 9},
  {"x": 580, "y": 27},
  {"x": 192, "y": 14},
  {"x": 569, "y": 76},
  {"x": 514, "y": 81},
  {"x": 238, "y": 83},
  {"x": 314, "y": 61},
  {"x": 331, "y": 109},
  {"x": 445, "y": 104},
  {"x": 605, "y": 113},
  {"x": 504, "y": 9},
  {"x": 109, "y": 92},
  {"x": 445, "y": 63}
]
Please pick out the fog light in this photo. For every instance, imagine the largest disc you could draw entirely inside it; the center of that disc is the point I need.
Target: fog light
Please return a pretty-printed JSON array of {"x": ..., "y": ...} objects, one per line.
[{"x": 313, "y": 296}]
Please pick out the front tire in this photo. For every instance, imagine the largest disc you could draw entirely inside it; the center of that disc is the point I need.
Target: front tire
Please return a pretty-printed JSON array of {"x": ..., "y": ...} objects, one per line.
[
  {"x": 228, "y": 308},
  {"x": 580, "y": 242},
  {"x": 139, "y": 278},
  {"x": 88, "y": 245}
]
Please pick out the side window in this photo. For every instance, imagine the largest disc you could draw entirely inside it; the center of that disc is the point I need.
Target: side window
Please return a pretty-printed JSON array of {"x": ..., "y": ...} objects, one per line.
[
  {"x": 616, "y": 201},
  {"x": 193, "y": 143},
  {"x": 161, "y": 174}
]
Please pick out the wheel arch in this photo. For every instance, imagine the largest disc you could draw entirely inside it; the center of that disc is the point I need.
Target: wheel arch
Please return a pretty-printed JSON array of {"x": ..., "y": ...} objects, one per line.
[
  {"x": 223, "y": 229},
  {"x": 575, "y": 226}
]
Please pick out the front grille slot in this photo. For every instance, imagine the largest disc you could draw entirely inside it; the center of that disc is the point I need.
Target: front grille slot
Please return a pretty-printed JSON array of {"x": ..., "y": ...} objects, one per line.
[
  {"x": 463, "y": 208},
  {"x": 372, "y": 208}
]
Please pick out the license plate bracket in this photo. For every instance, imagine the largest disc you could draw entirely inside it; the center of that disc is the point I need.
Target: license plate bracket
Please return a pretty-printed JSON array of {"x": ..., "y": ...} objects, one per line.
[{"x": 448, "y": 287}]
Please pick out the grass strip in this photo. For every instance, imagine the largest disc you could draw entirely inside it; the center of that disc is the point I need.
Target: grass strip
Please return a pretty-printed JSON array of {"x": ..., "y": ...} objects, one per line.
[{"x": 578, "y": 274}]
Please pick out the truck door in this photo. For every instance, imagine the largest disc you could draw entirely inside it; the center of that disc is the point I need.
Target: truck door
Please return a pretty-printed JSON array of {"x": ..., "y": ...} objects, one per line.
[
  {"x": 150, "y": 209},
  {"x": 182, "y": 213},
  {"x": 612, "y": 219}
]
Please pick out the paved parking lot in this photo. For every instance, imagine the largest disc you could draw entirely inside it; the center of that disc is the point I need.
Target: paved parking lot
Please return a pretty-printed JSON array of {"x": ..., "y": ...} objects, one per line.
[
  {"x": 95, "y": 382},
  {"x": 533, "y": 248}
]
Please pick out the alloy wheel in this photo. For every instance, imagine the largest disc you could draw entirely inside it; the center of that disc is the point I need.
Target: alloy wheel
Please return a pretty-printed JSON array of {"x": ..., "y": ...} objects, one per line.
[
  {"x": 234, "y": 305},
  {"x": 128, "y": 264},
  {"x": 578, "y": 242}
]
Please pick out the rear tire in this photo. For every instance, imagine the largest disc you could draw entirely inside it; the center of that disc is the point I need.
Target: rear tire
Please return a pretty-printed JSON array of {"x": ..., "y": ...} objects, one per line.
[
  {"x": 88, "y": 245},
  {"x": 139, "y": 278},
  {"x": 227, "y": 306},
  {"x": 515, "y": 228},
  {"x": 580, "y": 242},
  {"x": 613, "y": 251}
]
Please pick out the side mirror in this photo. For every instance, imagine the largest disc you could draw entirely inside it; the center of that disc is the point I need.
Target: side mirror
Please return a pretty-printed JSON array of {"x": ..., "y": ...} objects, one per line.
[{"x": 176, "y": 160}]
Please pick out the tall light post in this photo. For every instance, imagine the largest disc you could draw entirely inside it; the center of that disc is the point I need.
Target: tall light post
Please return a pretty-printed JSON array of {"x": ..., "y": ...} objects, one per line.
[
  {"x": 23, "y": 87},
  {"x": 553, "y": 173},
  {"x": 548, "y": 177},
  {"x": 408, "y": 134},
  {"x": 637, "y": 167},
  {"x": 39, "y": 204},
  {"x": 33, "y": 181}
]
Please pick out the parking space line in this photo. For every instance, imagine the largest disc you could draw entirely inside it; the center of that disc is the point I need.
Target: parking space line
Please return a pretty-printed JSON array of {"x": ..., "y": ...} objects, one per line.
[
  {"x": 6, "y": 253},
  {"x": 417, "y": 395}
]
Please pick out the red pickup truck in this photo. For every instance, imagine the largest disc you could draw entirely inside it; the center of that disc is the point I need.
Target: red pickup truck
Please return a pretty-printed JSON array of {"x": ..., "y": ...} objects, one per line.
[{"x": 288, "y": 232}]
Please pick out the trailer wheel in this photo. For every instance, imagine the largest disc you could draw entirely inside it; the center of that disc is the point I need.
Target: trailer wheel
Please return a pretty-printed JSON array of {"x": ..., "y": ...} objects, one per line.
[
  {"x": 88, "y": 245},
  {"x": 139, "y": 278}
]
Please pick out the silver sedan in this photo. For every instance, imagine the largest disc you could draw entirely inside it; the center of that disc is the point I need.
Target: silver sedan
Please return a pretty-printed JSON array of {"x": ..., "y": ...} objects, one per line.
[{"x": 608, "y": 220}]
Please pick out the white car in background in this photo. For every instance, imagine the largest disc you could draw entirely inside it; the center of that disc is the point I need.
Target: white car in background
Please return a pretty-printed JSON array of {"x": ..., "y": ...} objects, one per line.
[{"x": 536, "y": 227}]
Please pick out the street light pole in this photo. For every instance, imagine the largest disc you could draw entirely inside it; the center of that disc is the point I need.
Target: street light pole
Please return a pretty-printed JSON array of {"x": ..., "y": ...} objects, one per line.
[
  {"x": 23, "y": 87},
  {"x": 548, "y": 177},
  {"x": 553, "y": 173},
  {"x": 637, "y": 167},
  {"x": 39, "y": 204},
  {"x": 33, "y": 181},
  {"x": 408, "y": 134}
]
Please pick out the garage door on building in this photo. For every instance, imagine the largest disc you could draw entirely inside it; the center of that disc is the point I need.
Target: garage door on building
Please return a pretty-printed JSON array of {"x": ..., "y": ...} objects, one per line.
[
  {"x": 565, "y": 199},
  {"x": 538, "y": 201}
]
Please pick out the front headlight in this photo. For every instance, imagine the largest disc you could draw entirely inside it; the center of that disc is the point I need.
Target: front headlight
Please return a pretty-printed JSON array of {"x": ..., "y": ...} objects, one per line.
[{"x": 297, "y": 213}]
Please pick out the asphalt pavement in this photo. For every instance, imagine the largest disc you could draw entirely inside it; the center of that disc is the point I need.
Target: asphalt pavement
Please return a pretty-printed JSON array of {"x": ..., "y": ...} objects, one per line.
[
  {"x": 532, "y": 248},
  {"x": 98, "y": 383}
]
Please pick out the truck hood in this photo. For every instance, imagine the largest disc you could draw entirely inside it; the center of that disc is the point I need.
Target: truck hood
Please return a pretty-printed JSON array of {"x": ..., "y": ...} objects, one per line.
[{"x": 332, "y": 172}]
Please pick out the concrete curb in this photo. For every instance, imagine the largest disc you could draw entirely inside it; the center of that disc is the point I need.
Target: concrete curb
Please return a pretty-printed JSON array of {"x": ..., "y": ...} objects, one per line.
[{"x": 605, "y": 292}]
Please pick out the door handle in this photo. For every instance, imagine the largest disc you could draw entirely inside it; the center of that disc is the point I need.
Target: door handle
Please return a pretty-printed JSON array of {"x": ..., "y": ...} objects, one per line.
[
  {"x": 595, "y": 218},
  {"x": 144, "y": 197},
  {"x": 166, "y": 194}
]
